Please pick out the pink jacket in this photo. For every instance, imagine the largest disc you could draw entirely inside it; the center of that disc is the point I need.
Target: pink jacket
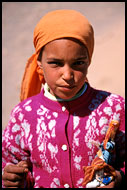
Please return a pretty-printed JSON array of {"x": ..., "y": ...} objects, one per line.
[{"x": 54, "y": 136}]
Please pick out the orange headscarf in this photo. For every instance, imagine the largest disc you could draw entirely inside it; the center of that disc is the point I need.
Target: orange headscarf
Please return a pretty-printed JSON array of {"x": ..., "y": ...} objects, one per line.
[{"x": 54, "y": 25}]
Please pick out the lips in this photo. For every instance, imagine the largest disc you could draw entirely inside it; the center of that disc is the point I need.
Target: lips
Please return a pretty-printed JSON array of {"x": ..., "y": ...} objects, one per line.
[
  {"x": 69, "y": 87},
  {"x": 66, "y": 88}
]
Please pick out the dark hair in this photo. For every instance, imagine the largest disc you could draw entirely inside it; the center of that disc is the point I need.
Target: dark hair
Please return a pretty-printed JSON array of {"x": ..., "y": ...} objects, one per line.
[{"x": 40, "y": 55}]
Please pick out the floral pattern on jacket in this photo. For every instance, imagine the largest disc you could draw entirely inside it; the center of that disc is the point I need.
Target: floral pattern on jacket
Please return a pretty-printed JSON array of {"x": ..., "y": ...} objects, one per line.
[{"x": 54, "y": 136}]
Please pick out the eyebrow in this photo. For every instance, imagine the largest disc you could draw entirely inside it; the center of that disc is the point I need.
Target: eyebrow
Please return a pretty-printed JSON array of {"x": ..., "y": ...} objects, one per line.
[
  {"x": 54, "y": 59},
  {"x": 61, "y": 60},
  {"x": 80, "y": 58}
]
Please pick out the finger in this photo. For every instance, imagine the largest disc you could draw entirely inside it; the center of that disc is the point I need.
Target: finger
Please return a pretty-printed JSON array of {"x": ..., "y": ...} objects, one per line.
[
  {"x": 13, "y": 187},
  {"x": 12, "y": 176},
  {"x": 10, "y": 184},
  {"x": 23, "y": 164},
  {"x": 15, "y": 169}
]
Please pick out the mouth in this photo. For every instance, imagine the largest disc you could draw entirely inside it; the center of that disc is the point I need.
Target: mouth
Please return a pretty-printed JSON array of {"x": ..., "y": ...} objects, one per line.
[{"x": 66, "y": 88}]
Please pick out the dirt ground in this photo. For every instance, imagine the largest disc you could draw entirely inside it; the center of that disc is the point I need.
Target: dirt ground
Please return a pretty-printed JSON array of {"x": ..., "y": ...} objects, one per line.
[{"x": 107, "y": 70}]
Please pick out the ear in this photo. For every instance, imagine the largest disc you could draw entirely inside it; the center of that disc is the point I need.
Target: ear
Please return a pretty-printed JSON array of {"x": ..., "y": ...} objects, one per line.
[
  {"x": 39, "y": 68},
  {"x": 39, "y": 64}
]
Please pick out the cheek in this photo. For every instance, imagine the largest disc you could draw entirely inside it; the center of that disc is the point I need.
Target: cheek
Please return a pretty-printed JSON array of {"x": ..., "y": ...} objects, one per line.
[
  {"x": 81, "y": 76},
  {"x": 50, "y": 76}
]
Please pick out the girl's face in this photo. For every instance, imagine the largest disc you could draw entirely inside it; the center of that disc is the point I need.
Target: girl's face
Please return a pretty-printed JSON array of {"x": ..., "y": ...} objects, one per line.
[{"x": 65, "y": 63}]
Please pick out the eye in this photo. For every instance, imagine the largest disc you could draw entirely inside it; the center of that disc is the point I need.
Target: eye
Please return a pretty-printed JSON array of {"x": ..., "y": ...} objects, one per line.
[
  {"x": 55, "y": 63},
  {"x": 78, "y": 63}
]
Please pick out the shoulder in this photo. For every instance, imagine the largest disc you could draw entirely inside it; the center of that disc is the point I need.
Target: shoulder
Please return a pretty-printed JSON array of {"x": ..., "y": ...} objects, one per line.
[
  {"x": 116, "y": 102},
  {"x": 110, "y": 98},
  {"x": 114, "y": 107},
  {"x": 27, "y": 105},
  {"x": 102, "y": 99},
  {"x": 111, "y": 104},
  {"x": 112, "y": 101},
  {"x": 116, "y": 98}
]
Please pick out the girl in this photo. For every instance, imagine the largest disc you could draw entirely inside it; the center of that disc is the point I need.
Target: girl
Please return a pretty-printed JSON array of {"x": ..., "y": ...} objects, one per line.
[{"x": 47, "y": 140}]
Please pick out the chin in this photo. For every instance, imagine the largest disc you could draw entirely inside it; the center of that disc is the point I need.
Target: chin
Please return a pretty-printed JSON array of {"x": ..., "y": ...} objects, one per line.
[{"x": 66, "y": 97}]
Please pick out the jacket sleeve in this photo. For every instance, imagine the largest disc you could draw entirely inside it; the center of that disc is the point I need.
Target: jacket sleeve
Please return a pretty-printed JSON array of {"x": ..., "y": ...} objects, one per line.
[
  {"x": 14, "y": 143},
  {"x": 120, "y": 140}
]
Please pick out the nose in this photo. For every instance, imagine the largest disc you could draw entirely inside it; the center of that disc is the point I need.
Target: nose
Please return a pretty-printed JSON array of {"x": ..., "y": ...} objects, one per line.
[{"x": 67, "y": 74}]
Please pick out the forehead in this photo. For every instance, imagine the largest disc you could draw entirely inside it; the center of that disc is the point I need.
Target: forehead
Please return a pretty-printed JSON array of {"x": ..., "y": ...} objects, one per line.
[{"x": 66, "y": 45}]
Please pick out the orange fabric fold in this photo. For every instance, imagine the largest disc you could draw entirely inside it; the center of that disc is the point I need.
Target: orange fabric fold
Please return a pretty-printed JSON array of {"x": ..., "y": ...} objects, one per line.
[
  {"x": 54, "y": 25},
  {"x": 111, "y": 132},
  {"x": 97, "y": 164},
  {"x": 32, "y": 79}
]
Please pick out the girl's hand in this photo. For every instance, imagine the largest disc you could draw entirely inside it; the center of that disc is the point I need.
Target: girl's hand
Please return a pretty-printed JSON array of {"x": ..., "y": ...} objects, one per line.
[
  {"x": 14, "y": 175},
  {"x": 115, "y": 183}
]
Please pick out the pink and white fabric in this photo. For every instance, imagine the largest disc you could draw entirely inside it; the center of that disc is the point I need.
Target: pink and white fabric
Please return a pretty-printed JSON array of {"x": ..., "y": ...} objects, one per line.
[{"x": 54, "y": 136}]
